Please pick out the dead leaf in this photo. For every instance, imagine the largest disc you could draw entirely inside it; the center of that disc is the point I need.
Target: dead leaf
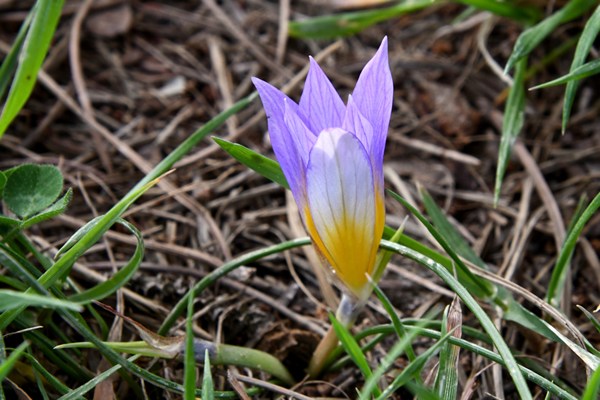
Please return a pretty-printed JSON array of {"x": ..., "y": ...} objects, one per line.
[
  {"x": 112, "y": 22},
  {"x": 454, "y": 115}
]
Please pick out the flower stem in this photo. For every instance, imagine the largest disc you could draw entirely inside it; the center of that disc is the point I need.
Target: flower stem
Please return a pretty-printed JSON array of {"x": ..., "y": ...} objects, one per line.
[
  {"x": 346, "y": 313},
  {"x": 324, "y": 348}
]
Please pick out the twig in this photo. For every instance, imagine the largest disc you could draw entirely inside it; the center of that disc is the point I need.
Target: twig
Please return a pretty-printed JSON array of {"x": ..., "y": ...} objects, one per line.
[
  {"x": 282, "y": 34},
  {"x": 168, "y": 130},
  {"x": 510, "y": 259},
  {"x": 482, "y": 35},
  {"x": 559, "y": 231},
  {"x": 544, "y": 191},
  {"x": 437, "y": 150},
  {"x": 235, "y": 384},
  {"x": 268, "y": 385},
  {"x": 223, "y": 80},
  {"x": 79, "y": 82}
]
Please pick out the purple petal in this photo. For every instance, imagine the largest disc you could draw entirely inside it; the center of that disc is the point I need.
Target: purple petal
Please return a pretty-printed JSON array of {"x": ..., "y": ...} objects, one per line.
[
  {"x": 345, "y": 216},
  {"x": 285, "y": 143},
  {"x": 320, "y": 104},
  {"x": 302, "y": 136},
  {"x": 358, "y": 124},
  {"x": 373, "y": 95}
]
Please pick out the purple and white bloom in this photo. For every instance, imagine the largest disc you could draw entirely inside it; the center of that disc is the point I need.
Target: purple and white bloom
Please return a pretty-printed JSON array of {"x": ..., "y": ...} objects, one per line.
[{"x": 331, "y": 154}]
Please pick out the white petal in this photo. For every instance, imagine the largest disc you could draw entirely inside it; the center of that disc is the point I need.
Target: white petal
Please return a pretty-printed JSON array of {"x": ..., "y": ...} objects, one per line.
[{"x": 343, "y": 205}]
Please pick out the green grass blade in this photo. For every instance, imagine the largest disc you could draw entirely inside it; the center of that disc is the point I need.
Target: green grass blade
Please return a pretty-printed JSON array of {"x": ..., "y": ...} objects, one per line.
[
  {"x": 350, "y": 23},
  {"x": 446, "y": 382},
  {"x": 91, "y": 236},
  {"x": 581, "y": 72},
  {"x": 396, "y": 321},
  {"x": 532, "y": 37},
  {"x": 76, "y": 237},
  {"x": 266, "y": 167},
  {"x": 20, "y": 267},
  {"x": 41, "y": 385},
  {"x": 138, "y": 347},
  {"x": 455, "y": 241},
  {"x": 588, "y": 36},
  {"x": 12, "y": 283},
  {"x": 512, "y": 123},
  {"x": 92, "y": 383},
  {"x": 34, "y": 49},
  {"x": 477, "y": 285},
  {"x": 513, "y": 310},
  {"x": 47, "y": 375},
  {"x": 516, "y": 312},
  {"x": 421, "y": 392},
  {"x": 208, "y": 387},
  {"x": 7, "y": 364},
  {"x": 336, "y": 361},
  {"x": 189, "y": 363},
  {"x": 383, "y": 257},
  {"x": 547, "y": 382},
  {"x": 411, "y": 369},
  {"x": 3, "y": 180},
  {"x": 507, "y": 9},
  {"x": 119, "y": 279},
  {"x": 10, "y": 300},
  {"x": 355, "y": 352},
  {"x": 10, "y": 63},
  {"x": 9, "y": 223},
  {"x": 485, "y": 321},
  {"x": 591, "y": 317},
  {"x": 417, "y": 246},
  {"x": 29, "y": 248},
  {"x": 592, "y": 389},
  {"x": 559, "y": 273},
  {"x": 62, "y": 361}
]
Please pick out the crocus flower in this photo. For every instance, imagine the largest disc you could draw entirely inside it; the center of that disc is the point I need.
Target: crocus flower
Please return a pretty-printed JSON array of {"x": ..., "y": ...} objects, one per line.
[{"x": 331, "y": 154}]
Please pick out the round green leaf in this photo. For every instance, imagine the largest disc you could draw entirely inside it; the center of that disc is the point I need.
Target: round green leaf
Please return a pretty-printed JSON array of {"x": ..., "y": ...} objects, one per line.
[{"x": 31, "y": 188}]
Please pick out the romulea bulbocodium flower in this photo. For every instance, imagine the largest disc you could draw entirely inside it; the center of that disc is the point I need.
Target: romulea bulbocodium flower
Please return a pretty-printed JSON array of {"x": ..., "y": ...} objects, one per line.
[{"x": 331, "y": 154}]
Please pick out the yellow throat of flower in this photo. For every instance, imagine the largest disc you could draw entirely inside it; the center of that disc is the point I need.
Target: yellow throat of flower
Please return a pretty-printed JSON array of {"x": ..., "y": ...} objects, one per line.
[{"x": 351, "y": 247}]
